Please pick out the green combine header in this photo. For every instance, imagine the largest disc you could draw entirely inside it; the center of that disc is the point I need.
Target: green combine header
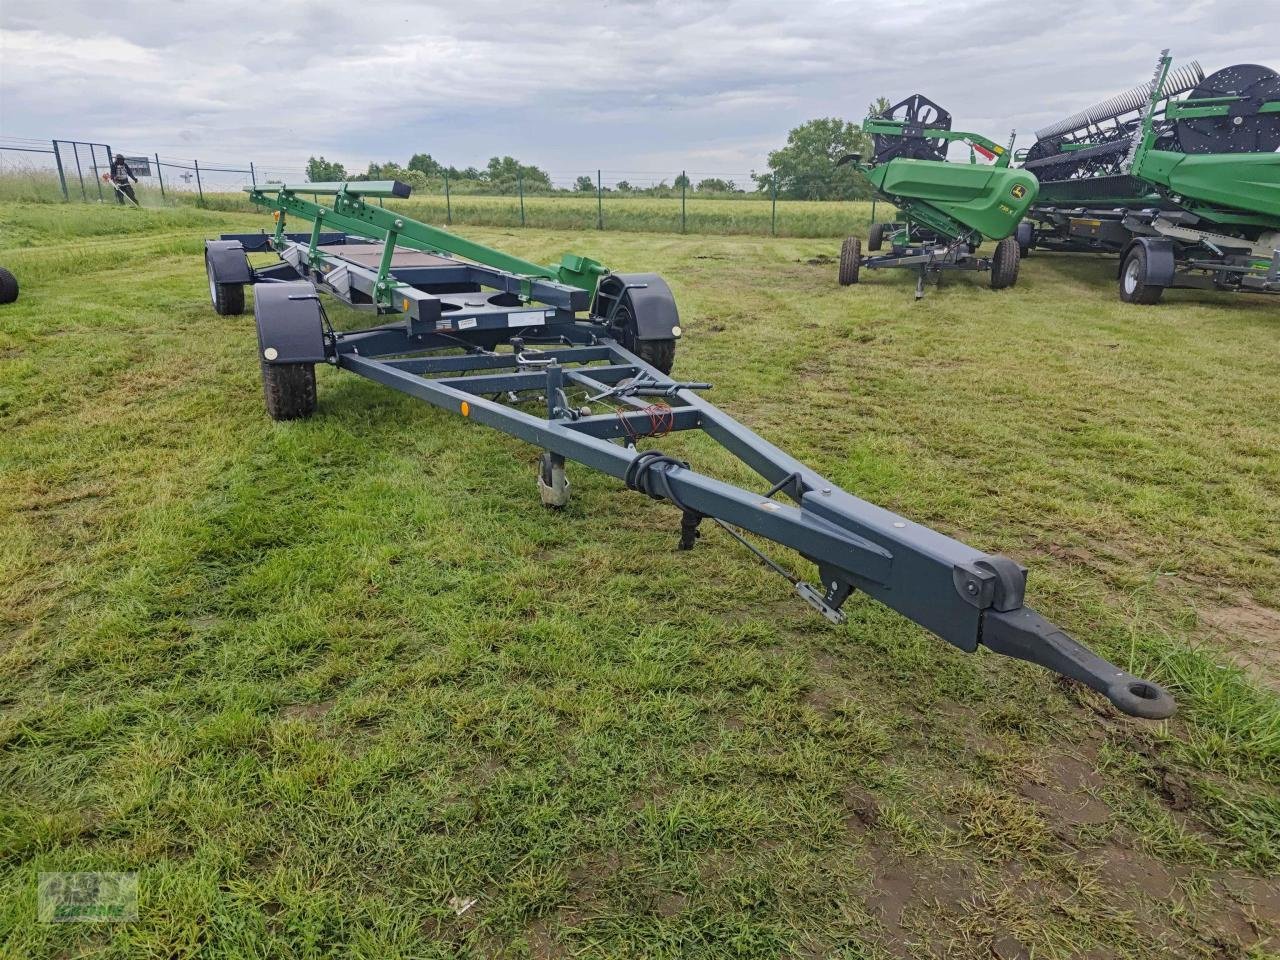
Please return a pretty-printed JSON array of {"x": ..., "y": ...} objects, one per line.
[
  {"x": 1185, "y": 188},
  {"x": 948, "y": 209}
]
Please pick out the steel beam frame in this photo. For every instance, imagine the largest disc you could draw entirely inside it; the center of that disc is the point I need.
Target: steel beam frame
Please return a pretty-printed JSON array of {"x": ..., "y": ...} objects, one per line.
[
  {"x": 963, "y": 595},
  {"x": 940, "y": 583}
]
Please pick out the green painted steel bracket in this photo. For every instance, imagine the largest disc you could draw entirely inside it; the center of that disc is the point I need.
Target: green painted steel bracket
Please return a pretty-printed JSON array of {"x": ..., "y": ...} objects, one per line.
[
  {"x": 349, "y": 212},
  {"x": 897, "y": 128}
]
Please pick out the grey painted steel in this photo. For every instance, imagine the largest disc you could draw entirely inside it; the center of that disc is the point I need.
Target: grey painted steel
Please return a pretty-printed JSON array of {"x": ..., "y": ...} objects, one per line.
[
  {"x": 228, "y": 262},
  {"x": 963, "y": 595},
  {"x": 289, "y": 322},
  {"x": 654, "y": 306},
  {"x": 1162, "y": 266}
]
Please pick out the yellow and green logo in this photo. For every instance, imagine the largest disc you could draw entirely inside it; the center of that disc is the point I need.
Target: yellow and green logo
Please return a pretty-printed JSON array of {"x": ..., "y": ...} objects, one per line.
[{"x": 1018, "y": 191}]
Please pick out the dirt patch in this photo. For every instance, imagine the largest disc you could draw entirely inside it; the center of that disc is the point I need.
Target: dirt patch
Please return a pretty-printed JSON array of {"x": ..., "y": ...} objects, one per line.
[
  {"x": 1125, "y": 867},
  {"x": 1249, "y": 634},
  {"x": 1067, "y": 791},
  {"x": 541, "y": 942},
  {"x": 307, "y": 711}
]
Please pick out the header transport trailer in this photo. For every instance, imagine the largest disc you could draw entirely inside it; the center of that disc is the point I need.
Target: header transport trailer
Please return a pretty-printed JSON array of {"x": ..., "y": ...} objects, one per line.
[
  {"x": 576, "y": 360},
  {"x": 1186, "y": 191},
  {"x": 949, "y": 208}
]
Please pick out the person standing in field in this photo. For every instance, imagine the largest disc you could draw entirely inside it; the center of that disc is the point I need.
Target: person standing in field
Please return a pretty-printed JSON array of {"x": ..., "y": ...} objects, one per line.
[{"x": 121, "y": 174}]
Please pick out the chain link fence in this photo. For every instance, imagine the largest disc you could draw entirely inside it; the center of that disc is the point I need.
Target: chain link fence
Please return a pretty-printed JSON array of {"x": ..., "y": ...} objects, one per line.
[{"x": 684, "y": 201}]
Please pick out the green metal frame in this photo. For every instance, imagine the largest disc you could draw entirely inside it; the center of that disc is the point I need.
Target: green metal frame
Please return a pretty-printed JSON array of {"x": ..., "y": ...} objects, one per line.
[
  {"x": 1255, "y": 198},
  {"x": 897, "y": 128},
  {"x": 349, "y": 213}
]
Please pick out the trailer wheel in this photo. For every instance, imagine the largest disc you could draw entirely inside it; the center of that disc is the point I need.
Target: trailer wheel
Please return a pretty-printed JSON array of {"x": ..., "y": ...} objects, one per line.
[
  {"x": 850, "y": 260},
  {"x": 228, "y": 298},
  {"x": 289, "y": 389},
  {"x": 875, "y": 237},
  {"x": 1004, "y": 264},
  {"x": 660, "y": 353},
  {"x": 1026, "y": 235},
  {"x": 8, "y": 286},
  {"x": 1135, "y": 285}
]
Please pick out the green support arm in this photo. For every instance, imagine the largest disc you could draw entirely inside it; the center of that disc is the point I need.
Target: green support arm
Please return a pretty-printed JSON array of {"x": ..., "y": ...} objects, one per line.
[
  {"x": 349, "y": 212},
  {"x": 897, "y": 128}
]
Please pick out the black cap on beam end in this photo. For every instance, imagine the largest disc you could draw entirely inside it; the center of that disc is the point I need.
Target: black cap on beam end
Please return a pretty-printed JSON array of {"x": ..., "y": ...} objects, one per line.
[{"x": 399, "y": 189}]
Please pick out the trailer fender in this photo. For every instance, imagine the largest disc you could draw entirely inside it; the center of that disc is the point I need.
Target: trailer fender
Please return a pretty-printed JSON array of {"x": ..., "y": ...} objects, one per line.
[
  {"x": 1161, "y": 260},
  {"x": 652, "y": 303},
  {"x": 290, "y": 324},
  {"x": 228, "y": 262}
]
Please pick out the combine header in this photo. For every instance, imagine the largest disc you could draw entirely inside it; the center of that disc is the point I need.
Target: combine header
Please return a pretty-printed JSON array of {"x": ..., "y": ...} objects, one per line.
[
  {"x": 576, "y": 360},
  {"x": 948, "y": 207},
  {"x": 1187, "y": 191}
]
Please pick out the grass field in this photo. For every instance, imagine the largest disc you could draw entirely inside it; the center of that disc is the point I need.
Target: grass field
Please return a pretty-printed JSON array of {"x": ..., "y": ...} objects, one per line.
[
  {"x": 323, "y": 684},
  {"x": 795, "y": 218}
]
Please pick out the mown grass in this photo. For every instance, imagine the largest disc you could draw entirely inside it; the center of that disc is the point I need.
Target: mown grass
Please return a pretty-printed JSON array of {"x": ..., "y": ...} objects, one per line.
[
  {"x": 721, "y": 215},
  {"x": 320, "y": 683}
]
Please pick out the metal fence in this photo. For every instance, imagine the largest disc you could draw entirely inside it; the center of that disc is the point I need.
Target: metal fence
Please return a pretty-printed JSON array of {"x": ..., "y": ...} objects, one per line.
[
  {"x": 80, "y": 169},
  {"x": 677, "y": 201}
]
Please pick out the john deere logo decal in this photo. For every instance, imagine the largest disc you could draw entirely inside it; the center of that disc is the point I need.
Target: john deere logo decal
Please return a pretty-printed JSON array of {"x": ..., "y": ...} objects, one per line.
[{"x": 1018, "y": 191}]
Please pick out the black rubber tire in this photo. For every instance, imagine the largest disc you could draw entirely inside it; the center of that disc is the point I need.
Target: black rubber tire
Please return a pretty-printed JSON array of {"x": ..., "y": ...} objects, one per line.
[
  {"x": 875, "y": 237},
  {"x": 850, "y": 261},
  {"x": 1133, "y": 279},
  {"x": 657, "y": 353},
  {"x": 1004, "y": 264},
  {"x": 1026, "y": 237},
  {"x": 8, "y": 286},
  {"x": 289, "y": 389},
  {"x": 227, "y": 298}
]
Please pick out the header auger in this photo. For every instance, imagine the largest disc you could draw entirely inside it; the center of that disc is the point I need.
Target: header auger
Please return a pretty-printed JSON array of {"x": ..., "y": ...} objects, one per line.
[
  {"x": 948, "y": 208},
  {"x": 577, "y": 361},
  {"x": 1187, "y": 190}
]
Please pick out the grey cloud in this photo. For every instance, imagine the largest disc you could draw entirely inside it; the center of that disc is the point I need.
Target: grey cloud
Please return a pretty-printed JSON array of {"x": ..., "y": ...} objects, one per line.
[{"x": 622, "y": 85}]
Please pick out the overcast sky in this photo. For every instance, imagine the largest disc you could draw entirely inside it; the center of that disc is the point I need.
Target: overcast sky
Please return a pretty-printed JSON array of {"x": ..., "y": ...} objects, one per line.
[{"x": 627, "y": 85}]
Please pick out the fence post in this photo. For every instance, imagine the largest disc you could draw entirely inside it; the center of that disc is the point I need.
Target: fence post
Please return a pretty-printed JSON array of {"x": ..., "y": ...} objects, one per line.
[
  {"x": 773, "y": 217},
  {"x": 160, "y": 176},
  {"x": 62, "y": 179},
  {"x": 520, "y": 187},
  {"x": 448, "y": 205},
  {"x": 93, "y": 155},
  {"x": 599, "y": 203},
  {"x": 253, "y": 177},
  {"x": 684, "y": 186},
  {"x": 873, "y": 209},
  {"x": 199, "y": 185},
  {"x": 75, "y": 150}
]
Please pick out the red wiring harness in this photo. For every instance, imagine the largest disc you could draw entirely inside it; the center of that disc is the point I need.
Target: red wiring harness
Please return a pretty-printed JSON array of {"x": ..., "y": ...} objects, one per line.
[{"x": 661, "y": 421}]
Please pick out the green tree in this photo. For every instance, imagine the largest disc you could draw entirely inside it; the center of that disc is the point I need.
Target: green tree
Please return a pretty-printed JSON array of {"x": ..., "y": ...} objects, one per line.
[
  {"x": 878, "y": 107},
  {"x": 716, "y": 185},
  {"x": 320, "y": 170},
  {"x": 425, "y": 165},
  {"x": 806, "y": 167},
  {"x": 584, "y": 184},
  {"x": 624, "y": 187},
  {"x": 505, "y": 172},
  {"x": 681, "y": 182}
]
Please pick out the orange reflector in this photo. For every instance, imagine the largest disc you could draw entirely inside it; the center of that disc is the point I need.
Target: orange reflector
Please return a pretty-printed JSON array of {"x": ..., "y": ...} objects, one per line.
[
  {"x": 275, "y": 215},
  {"x": 466, "y": 409}
]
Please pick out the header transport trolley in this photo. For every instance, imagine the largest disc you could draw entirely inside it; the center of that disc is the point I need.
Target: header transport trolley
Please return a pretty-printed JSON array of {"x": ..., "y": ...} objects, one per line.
[
  {"x": 577, "y": 360},
  {"x": 949, "y": 208}
]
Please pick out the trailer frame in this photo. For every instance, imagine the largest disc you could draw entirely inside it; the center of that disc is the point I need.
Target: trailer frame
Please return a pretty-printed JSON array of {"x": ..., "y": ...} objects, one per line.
[{"x": 488, "y": 357}]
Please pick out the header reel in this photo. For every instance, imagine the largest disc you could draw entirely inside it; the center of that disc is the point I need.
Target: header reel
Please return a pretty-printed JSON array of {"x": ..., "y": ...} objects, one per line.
[
  {"x": 1245, "y": 126},
  {"x": 917, "y": 114}
]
